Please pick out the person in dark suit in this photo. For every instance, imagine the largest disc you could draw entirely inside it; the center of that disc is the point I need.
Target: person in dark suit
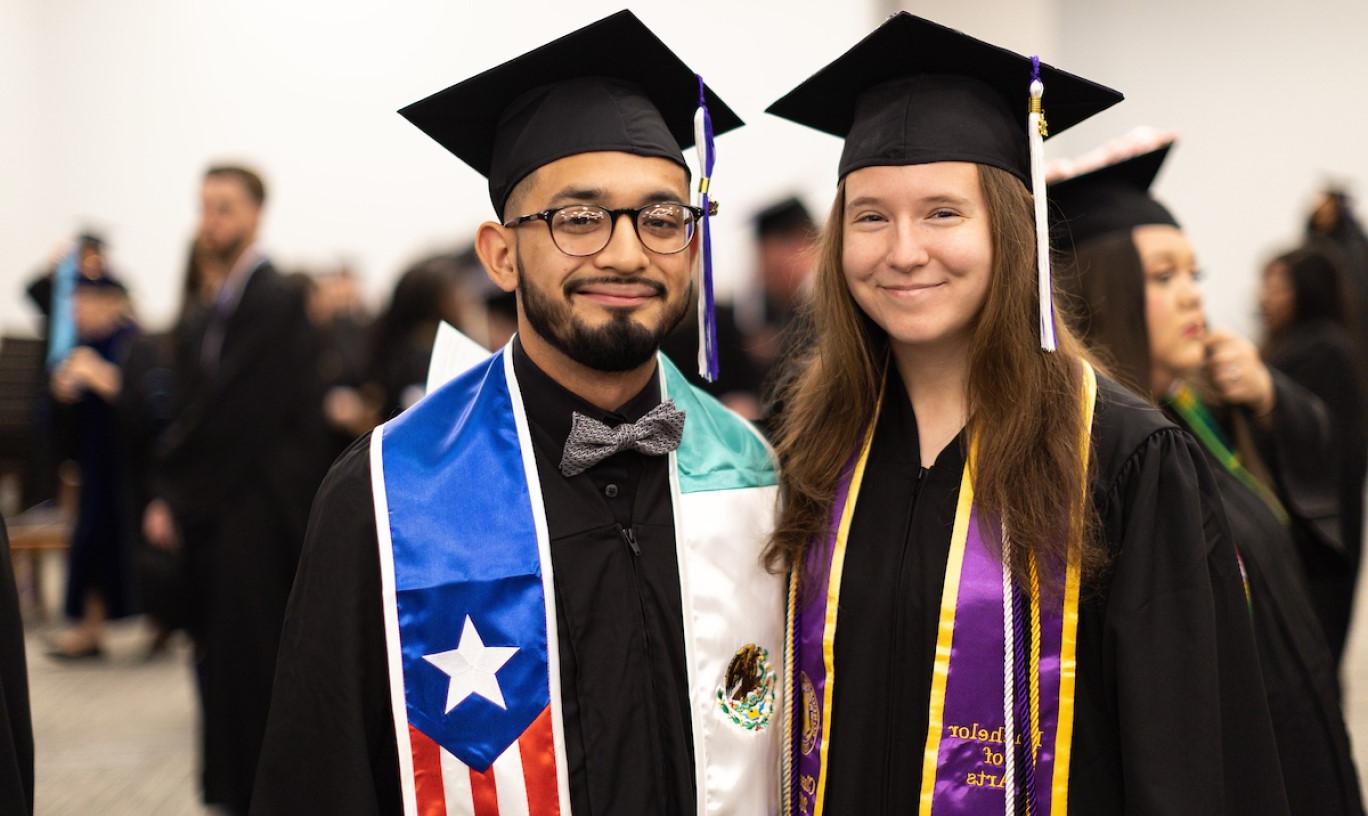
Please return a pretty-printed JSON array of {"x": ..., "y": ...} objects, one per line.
[{"x": 238, "y": 468}]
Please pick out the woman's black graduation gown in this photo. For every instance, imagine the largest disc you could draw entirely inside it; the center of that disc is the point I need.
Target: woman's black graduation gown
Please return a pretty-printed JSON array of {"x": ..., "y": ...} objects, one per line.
[
  {"x": 1298, "y": 671},
  {"x": 1170, "y": 714}
]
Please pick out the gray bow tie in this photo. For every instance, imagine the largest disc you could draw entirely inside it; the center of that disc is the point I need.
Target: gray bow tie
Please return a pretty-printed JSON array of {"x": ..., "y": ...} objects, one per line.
[{"x": 590, "y": 441}]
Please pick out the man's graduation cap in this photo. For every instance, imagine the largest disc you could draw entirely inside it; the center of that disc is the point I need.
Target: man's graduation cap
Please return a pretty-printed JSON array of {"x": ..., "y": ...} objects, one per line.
[
  {"x": 1113, "y": 198},
  {"x": 612, "y": 85},
  {"x": 916, "y": 92}
]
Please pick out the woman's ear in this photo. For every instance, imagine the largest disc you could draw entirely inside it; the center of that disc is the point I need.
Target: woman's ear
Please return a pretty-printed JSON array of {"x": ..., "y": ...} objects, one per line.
[{"x": 494, "y": 246}]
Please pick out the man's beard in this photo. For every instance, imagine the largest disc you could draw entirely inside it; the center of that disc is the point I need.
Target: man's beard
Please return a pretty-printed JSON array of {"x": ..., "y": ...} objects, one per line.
[
  {"x": 229, "y": 252},
  {"x": 622, "y": 344}
]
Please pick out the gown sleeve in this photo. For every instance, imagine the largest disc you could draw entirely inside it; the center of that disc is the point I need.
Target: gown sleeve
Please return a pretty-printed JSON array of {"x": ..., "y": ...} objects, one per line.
[
  {"x": 1193, "y": 723},
  {"x": 330, "y": 745},
  {"x": 1300, "y": 454}
]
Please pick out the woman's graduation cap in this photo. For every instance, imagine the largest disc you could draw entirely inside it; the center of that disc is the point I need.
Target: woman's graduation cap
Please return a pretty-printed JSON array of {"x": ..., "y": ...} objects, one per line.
[
  {"x": 610, "y": 86},
  {"x": 916, "y": 92},
  {"x": 1112, "y": 198}
]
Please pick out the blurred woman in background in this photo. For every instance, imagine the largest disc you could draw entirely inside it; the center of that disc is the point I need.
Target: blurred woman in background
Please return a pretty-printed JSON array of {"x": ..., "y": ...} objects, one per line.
[
  {"x": 1307, "y": 309},
  {"x": 1135, "y": 280}
]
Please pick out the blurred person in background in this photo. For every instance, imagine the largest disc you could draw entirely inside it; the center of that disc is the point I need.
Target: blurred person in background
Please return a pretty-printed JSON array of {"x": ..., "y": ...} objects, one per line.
[
  {"x": 336, "y": 310},
  {"x": 342, "y": 327},
  {"x": 401, "y": 338},
  {"x": 1308, "y": 322},
  {"x": 144, "y": 410},
  {"x": 89, "y": 256},
  {"x": 146, "y": 407},
  {"x": 1135, "y": 279},
  {"x": 1335, "y": 221},
  {"x": 785, "y": 240},
  {"x": 87, "y": 383},
  {"x": 85, "y": 258},
  {"x": 238, "y": 468}
]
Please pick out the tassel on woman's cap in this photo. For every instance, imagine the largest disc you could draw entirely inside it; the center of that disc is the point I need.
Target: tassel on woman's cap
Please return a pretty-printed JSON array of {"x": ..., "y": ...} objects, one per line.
[
  {"x": 1036, "y": 131},
  {"x": 707, "y": 307}
]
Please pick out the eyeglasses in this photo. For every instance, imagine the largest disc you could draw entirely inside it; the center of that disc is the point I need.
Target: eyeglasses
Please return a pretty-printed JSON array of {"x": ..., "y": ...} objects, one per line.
[{"x": 585, "y": 229}]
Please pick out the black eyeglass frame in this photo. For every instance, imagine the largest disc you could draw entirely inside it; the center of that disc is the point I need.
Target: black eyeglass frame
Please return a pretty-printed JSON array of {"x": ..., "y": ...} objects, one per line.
[{"x": 614, "y": 216}]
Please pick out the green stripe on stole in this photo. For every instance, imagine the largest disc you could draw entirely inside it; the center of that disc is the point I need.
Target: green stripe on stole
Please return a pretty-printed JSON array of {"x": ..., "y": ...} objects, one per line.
[{"x": 719, "y": 450}]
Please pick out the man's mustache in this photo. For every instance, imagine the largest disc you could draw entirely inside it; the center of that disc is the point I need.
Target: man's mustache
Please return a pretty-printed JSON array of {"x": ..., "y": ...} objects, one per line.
[{"x": 573, "y": 286}]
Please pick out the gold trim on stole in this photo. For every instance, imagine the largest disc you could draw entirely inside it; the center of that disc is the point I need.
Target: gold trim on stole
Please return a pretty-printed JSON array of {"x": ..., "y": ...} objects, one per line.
[
  {"x": 834, "y": 596},
  {"x": 945, "y": 631},
  {"x": 1068, "y": 641}
]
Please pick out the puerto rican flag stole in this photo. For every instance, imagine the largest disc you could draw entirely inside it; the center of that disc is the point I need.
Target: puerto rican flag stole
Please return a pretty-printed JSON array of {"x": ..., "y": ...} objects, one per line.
[{"x": 469, "y": 602}]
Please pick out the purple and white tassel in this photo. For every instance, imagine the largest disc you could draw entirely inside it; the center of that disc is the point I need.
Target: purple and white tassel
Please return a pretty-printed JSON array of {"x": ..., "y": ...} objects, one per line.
[
  {"x": 1036, "y": 131},
  {"x": 707, "y": 307}
]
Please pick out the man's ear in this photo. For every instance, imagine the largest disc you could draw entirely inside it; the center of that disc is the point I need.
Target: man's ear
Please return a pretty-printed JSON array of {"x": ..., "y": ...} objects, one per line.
[{"x": 494, "y": 245}]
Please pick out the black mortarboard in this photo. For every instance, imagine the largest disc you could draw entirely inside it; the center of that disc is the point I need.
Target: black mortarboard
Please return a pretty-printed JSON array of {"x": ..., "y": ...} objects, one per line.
[
  {"x": 1110, "y": 199},
  {"x": 916, "y": 92},
  {"x": 612, "y": 85}
]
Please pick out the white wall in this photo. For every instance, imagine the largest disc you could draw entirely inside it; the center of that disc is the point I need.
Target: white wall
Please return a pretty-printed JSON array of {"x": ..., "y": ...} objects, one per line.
[
  {"x": 19, "y": 141},
  {"x": 111, "y": 114}
]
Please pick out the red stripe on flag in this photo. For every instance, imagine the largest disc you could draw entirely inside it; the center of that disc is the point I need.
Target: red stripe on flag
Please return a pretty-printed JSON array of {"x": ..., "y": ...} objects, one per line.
[
  {"x": 427, "y": 774},
  {"x": 538, "y": 748},
  {"x": 484, "y": 792}
]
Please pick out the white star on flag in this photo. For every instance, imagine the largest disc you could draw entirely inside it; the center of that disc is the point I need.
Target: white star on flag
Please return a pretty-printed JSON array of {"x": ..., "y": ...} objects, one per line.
[{"x": 471, "y": 667}]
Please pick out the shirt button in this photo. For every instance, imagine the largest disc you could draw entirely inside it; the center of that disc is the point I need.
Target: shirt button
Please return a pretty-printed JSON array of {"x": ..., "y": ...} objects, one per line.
[{"x": 611, "y": 491}]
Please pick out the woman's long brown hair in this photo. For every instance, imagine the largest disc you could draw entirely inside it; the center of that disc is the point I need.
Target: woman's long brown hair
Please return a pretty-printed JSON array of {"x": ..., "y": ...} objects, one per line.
[
  {"x": 1104, "y": 283},
  {"x": 1024, "y": 406}
]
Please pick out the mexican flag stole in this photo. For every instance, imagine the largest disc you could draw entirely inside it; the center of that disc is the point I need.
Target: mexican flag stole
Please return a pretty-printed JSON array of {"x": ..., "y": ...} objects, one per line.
[
  {"x": 988, "y": 659},
  {"x": 469, "y": 602}
]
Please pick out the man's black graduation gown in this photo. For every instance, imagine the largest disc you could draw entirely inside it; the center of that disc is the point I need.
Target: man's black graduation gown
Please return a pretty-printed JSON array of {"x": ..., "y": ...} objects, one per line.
[
  {"x": 238, "y": 466},
  {"x": 330, "y": 745},
  {"x": 1298, "y": 670},
  {"x": 1170, "y": 716}
]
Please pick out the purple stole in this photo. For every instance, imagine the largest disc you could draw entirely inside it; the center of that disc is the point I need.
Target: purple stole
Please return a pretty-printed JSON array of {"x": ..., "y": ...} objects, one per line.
[{"x": 988, "y": 659}]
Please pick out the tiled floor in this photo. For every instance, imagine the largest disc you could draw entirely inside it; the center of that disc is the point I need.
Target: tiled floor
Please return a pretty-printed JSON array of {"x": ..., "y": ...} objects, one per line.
[
  {"x": 114, "y": 736},
  {"x": 117, "y": 737}
]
